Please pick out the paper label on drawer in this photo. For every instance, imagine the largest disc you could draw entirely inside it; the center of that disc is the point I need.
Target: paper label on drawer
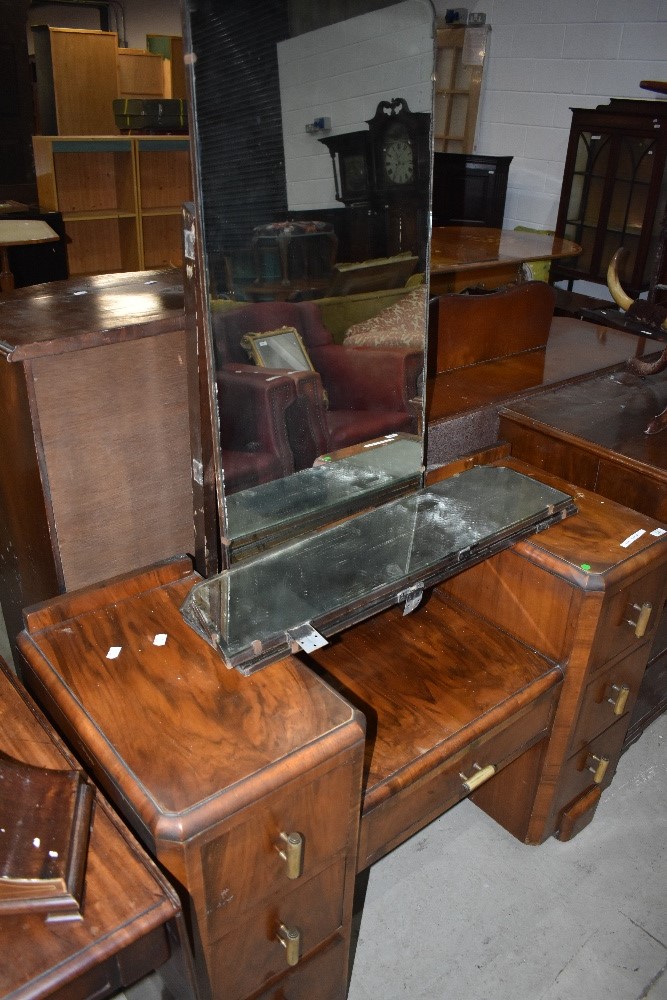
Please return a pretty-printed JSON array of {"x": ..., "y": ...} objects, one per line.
[
  {"x": 631, "y": 539},
  {"x": 659, "y": 532}
]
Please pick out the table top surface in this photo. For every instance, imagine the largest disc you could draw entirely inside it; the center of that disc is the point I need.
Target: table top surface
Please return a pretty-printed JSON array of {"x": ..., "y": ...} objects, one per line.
[
  {"x": 67, "y": 315},
  {"x": 125, "y": 896},
  {"x": 456, "y": 248},
  {"x": 18, "y": 232}
]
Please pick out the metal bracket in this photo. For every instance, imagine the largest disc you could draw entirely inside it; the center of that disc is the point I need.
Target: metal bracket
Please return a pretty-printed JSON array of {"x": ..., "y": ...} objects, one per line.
[
  {"x": 307, "y": 637},
  {"x": 412, "y": 597}
]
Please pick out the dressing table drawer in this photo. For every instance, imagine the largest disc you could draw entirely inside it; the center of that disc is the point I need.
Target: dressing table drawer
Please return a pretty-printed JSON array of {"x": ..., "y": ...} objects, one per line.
[
  {"x": 401, "y": 815},
  {"x": 252, "y": 852},
  {"x": 630, "y": 617},
  {"x": 311, "y": 914},
  {"x": 609, "y": 696},
  {"x": 319, "y": 977},
  {"x": 591, "y": 767}
]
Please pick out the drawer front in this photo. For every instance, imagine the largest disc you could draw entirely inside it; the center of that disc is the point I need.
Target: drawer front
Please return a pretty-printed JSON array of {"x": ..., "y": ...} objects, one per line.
[
  {"x": 610, "y": 695},
  {"x": 239, "y": 964},
  {"x": 324, "y": 976},
  {"x": 630, "y": 616},
  {"x": 398, "y": 817},
  {"x": 579, "y": 771},
  {"x": 244, "y": 864}
]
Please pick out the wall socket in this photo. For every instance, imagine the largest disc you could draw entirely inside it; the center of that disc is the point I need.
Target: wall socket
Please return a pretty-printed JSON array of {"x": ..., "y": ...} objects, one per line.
[{"x": 475, "y": 20}]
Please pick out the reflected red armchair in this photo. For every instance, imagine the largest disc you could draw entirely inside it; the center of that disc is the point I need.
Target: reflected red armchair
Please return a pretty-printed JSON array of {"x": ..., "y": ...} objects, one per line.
[
  {"x": 253, "y": 436},
  {"x": 368, "y": 389}
]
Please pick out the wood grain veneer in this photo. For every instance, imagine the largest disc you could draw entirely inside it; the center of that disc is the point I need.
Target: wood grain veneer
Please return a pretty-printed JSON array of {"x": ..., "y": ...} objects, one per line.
[
  {"x": 131, "y": 918},
  {"x": 210, "y": 767},
  {"x": 569, "y": 592},
  {"x": 441, "y": 691}
]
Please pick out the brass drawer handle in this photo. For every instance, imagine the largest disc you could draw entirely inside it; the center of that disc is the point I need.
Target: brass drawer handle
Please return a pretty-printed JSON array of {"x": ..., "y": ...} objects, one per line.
[
  {"x": 598, "y": 767},
  {"x": 481, "y": 775},
  {"x": 643, "y": 617},
  {"x": 619, "y": 697},
  {"x": 291, "y": 851},
  {"x": 290, "y": 939}
]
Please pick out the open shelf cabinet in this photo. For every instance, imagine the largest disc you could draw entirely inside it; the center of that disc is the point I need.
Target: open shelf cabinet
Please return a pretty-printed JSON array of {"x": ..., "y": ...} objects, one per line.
[{"x": 120, "y": 198}]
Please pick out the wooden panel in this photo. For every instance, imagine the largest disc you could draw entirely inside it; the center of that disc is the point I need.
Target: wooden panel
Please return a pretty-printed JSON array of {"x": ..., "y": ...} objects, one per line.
[
  {"x": 540, "y": 450},
  {"x": 95, "y": 180},
  {"x": 162, "y": 240},
  {"x": 84, "y": 80},
  {"x": 114, "y": 427},
  {"x": 140, "y": 74},
  {"x": 26, "y": 557},
  {"x": 164, "y": 176},
  {"x": 646, "y": 492},
  {"x": 102, "y": 245}
]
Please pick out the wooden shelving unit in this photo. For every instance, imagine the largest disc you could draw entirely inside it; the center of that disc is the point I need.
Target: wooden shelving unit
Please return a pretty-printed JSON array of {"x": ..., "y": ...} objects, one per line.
[
  {"x": 120, "y": 197},
  {"x": 459, "y": 69}
]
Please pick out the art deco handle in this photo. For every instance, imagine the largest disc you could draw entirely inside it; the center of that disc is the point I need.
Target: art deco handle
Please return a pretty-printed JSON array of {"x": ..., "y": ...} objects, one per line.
[
  {"x": 481, "y": 775},
  {"x": 619, "y": 696},
  {"x": 290, "y": 939},
  {"x": 290, "y": 850},
  {"x": 641, "y": 624},
  {"x": 598, "y": 767}
]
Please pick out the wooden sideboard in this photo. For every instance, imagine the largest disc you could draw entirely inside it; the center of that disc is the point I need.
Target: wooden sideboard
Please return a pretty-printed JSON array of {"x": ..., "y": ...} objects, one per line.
[
  {"x": 95, "y": 477},
  {"x": 131, "y": 921},
  {"x": 593, "y": 434}
]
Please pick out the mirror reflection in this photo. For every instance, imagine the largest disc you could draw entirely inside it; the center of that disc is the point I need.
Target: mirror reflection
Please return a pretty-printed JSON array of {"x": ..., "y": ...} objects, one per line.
[{"x": 314, "y": 162}]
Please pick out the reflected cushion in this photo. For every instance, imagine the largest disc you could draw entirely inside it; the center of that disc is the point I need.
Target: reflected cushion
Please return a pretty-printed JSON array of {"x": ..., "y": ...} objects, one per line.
[{"x": 401, "y": 324}]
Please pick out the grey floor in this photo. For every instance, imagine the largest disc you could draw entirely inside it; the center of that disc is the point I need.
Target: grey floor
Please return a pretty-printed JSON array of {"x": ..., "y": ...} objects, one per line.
[{"x": 465, "y": 912}]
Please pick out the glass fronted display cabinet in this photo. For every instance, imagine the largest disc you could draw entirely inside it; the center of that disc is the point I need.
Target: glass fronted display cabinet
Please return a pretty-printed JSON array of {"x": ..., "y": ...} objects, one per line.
[{"x": 614, "y": 190}]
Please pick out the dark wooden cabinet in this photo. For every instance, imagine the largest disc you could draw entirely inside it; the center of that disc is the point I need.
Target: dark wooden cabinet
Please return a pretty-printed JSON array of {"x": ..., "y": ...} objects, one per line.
[
  {"x": 95, "y": 477},
  {"x": 469, "y": 189},
  {"x": 614, "y": 191}
]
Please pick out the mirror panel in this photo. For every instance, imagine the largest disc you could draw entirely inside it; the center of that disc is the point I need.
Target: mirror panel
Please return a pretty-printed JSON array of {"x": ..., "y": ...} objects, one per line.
[{"x": 313, "y": 156}]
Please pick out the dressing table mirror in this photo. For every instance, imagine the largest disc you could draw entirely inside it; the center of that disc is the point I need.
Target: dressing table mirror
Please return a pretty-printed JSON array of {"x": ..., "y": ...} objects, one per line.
[{"x": 312, "y": 182}]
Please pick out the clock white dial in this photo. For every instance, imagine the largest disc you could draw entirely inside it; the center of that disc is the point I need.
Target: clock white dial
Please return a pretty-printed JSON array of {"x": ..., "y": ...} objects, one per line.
[{"x": 398, "y": 162}]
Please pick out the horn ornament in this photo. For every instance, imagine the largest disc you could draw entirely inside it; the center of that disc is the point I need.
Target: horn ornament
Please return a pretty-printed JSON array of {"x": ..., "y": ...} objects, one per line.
[{"x": 622, "y": 300}]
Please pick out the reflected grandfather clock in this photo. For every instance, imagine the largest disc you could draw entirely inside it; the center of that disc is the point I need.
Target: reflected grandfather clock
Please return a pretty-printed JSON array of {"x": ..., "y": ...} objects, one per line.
[{"x": 382, "y": 174}]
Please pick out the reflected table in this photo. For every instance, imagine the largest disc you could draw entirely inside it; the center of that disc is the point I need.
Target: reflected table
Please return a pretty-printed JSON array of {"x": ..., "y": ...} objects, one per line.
[
  {"x": 462, "y": 256},
  {"x": 19, "y": 233}
]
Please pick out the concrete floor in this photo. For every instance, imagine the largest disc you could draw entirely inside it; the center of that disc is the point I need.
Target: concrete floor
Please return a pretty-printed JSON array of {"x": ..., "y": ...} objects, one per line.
[{"x": 465, "y": 912}]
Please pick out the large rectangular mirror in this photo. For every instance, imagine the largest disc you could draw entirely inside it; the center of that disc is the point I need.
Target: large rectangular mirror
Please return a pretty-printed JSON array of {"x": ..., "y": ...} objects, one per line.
[{"x": 312, "y": 137}]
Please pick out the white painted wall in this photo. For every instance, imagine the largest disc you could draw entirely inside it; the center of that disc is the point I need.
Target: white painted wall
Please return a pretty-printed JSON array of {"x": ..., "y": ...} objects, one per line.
[
  {"x": 545, "y": 57},
  {"x": 342, "y": 72}
]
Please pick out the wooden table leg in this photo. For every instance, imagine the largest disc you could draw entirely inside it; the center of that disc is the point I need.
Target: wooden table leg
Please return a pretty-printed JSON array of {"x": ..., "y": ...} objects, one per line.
[{"x": 6, "y": 276}]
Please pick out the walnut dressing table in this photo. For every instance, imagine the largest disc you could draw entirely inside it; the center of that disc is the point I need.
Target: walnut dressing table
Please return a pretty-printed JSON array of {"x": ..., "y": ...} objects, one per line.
[{"x": 262, "y": 795}]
